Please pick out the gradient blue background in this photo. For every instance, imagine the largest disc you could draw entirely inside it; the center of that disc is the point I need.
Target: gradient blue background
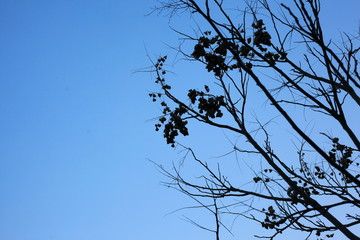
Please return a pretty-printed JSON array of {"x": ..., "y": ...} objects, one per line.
[{"x": 74, "y": 135}]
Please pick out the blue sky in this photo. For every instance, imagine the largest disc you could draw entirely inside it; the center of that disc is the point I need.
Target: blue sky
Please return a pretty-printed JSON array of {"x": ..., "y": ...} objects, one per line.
[{"x": 75, "y": 137}]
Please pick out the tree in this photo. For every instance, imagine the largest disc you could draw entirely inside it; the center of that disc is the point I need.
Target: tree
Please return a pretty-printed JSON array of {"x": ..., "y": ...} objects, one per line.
[{"x": 277, "y": 54}]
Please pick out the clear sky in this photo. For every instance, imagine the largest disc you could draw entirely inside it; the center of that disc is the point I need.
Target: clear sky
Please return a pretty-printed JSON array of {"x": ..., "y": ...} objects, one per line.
[{"x": 74, "y": 132}]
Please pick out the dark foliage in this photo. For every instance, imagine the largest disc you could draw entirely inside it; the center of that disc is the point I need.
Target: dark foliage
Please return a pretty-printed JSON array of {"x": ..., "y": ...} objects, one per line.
[{"x": 318, "y": 192}]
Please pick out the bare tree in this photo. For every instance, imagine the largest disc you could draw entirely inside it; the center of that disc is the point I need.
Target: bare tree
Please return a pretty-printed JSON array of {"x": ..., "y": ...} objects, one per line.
[{"x": 275, "y": 52}]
